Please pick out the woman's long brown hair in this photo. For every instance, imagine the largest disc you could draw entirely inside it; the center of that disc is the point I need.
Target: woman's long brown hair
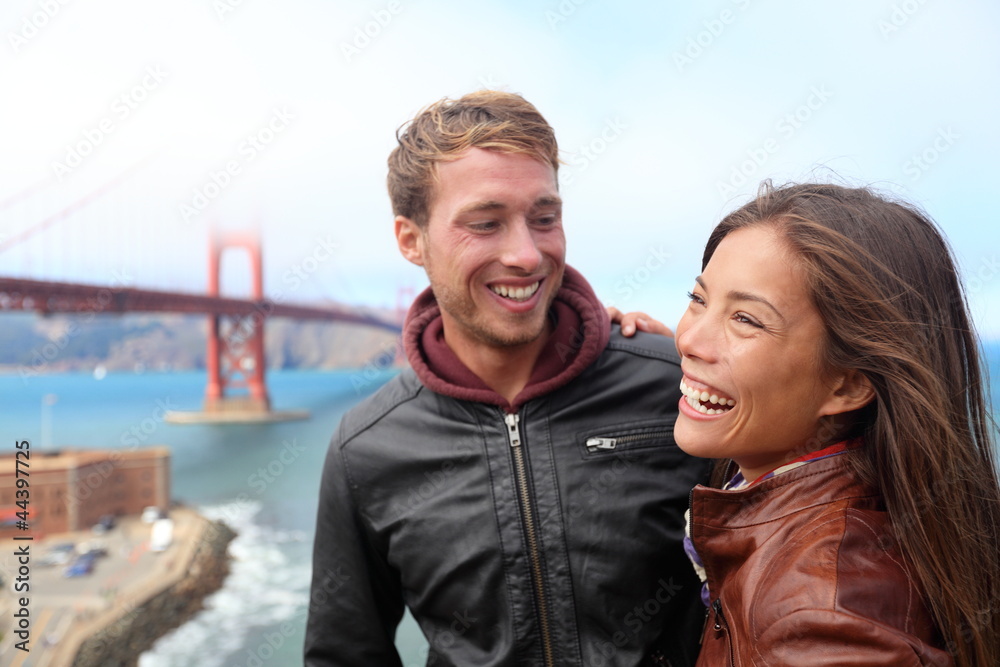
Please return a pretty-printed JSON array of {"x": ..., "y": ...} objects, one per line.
[{"x": 883, "y": 279}]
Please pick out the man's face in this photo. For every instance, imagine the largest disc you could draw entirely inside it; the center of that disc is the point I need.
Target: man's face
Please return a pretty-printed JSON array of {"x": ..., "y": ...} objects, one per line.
[{"x": 493, "y": 247}]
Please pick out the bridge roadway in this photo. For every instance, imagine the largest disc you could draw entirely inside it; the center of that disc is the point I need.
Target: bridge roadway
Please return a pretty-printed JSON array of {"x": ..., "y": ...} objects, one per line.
[{"x": 54, "y": 297}]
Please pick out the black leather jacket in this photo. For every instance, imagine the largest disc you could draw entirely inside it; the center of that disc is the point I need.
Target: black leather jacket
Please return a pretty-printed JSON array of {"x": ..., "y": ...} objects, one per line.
[{"x": 549, "y": 537}]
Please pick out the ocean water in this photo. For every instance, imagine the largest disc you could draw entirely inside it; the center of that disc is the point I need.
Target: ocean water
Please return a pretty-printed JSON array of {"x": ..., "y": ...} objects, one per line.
[{"x": 262, "y": 480}]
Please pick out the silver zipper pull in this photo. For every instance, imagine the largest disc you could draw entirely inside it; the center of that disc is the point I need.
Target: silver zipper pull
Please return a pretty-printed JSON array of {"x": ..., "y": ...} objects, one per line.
[
  {"x": 595, "y": 444},
  {"x": 513, "y": 432}
]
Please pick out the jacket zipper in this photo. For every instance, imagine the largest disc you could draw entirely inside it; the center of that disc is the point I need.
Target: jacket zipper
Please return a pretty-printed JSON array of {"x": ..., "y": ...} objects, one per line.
[
  {"x": 597, "y": 444},
  {"x": 722, "y": 626},
  {"x": 527, "y": 517}
]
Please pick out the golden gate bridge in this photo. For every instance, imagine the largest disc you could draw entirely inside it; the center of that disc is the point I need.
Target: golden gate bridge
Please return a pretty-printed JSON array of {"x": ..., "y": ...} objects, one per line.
[{"x": 236, "y": 389}]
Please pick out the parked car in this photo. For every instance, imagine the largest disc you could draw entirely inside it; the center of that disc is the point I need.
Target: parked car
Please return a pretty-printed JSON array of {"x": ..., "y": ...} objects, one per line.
[
  {"x": 52, "y": 558},
  {"x": 96, "y": 547},
  {"x": 57, "y": 554},
  {"x": 152, "y": 513},
  {"x": 82, "y": 565},
  {"x": 162, "y": 535}
]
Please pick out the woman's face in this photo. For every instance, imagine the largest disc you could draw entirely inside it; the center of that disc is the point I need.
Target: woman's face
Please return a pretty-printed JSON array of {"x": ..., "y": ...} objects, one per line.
[{"x": 751, "y": 339}]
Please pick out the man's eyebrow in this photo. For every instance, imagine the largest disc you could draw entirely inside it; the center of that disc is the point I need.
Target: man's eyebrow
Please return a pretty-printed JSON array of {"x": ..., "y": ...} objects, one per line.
[
  {"x": 493, "y": 205},
  {"x": 476, "y": 207},
  {"x": 737, "y": 295}
]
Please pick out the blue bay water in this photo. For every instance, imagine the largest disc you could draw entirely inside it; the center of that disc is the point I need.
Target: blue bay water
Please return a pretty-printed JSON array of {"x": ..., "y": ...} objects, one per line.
[{"x": 235, "y": 473}]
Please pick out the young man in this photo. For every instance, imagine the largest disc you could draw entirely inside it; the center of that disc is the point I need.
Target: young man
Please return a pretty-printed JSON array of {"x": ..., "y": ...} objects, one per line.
[{"x": 518, "y": 488}]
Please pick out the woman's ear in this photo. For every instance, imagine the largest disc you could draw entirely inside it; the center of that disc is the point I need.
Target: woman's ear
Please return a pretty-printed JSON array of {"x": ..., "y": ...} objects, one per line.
[
  {"x": 410, "y": 238},
  {"x": 852, "y": 390}
]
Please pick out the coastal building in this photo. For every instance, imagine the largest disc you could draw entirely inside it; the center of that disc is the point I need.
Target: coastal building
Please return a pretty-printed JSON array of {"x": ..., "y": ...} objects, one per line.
[{"x": 72, "y": 489}]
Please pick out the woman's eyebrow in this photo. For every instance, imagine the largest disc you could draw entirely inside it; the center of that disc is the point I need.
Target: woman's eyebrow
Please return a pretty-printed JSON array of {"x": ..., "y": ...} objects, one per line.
[{"x": 738, "y": 295}]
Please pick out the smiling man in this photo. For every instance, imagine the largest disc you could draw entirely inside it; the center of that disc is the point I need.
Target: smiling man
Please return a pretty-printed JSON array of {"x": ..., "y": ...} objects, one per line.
[{"x": 518, "y": 488}]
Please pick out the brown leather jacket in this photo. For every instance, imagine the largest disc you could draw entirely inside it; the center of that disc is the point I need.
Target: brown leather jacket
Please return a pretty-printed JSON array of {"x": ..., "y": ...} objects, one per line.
[{"x": 802, "y": 571}]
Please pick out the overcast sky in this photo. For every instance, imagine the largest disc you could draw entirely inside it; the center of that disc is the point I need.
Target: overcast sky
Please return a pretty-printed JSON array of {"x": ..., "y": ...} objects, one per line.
[{"x": 668, "y": 114}]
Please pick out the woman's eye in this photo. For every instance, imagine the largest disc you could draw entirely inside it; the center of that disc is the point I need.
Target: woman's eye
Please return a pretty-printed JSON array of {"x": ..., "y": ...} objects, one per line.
[
  {"x": 743, "y": 318},
  {"x": 695, "y": 298}
]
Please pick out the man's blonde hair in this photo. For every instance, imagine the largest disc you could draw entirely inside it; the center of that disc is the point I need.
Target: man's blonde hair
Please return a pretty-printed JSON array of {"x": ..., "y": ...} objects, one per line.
[{"x": 443, "y": 131}]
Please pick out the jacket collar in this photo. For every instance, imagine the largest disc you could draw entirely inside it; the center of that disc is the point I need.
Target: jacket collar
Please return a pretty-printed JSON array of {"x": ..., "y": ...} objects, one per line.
[
  {"x": 580, "y": 334},
  {"x": 819, "y": 483},
  {"x": 728, "y": 526}
]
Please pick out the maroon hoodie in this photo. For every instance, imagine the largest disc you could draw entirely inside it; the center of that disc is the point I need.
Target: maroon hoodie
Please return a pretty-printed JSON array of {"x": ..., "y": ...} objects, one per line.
[{"x": 580, "y": 333}]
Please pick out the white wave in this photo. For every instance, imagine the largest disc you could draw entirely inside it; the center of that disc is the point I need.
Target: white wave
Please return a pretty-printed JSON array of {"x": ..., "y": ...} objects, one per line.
[{"x": 264, "y": 589}]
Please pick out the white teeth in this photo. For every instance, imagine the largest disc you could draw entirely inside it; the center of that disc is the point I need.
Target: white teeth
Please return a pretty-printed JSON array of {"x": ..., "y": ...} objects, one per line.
[
  {"x": 697, "y": 399},
  {"x": 516, "y": 293}
]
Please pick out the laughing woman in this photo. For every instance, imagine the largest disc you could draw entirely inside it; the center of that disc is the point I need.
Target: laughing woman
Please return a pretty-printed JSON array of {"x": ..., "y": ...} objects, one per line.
[{"x": 829, "y": 357}]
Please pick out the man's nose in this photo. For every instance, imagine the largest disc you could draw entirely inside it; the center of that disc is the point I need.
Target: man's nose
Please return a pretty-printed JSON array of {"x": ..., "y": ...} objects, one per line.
[{"x": 521, "y": 248}]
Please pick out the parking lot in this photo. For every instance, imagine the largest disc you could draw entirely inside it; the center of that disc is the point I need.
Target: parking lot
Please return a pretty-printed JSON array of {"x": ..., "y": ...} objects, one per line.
[{"x": 119, "y": 581}]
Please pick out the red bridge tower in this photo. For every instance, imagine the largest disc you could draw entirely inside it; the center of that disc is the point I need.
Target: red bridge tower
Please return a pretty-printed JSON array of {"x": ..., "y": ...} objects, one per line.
[{"x": 235, "y": 355}]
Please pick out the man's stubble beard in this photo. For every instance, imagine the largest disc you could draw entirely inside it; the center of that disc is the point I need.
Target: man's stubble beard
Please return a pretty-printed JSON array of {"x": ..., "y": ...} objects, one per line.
[{"x": 465, "y": 313}]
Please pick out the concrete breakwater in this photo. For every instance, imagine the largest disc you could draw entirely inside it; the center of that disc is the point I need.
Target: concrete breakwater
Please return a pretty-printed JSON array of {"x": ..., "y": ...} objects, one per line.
[{"x": 196, "y": 571}]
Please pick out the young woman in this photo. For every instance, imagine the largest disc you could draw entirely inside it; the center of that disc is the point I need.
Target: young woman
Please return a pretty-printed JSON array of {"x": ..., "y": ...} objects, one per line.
[{"x": 829, "y": 358}]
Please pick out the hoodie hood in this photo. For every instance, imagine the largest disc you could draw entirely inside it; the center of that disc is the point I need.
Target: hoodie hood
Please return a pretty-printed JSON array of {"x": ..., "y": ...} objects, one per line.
[{"x": 580, "y": 333}]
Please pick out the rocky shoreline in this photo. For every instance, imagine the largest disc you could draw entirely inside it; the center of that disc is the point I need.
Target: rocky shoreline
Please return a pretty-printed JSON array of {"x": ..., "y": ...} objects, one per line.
[{"x": 120, "y": 642}]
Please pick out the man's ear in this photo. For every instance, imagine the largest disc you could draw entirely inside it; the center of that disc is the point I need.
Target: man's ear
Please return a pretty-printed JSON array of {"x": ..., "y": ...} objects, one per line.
[
  {"x": 851, "y": 391},
  {"x": 410, "y": 238}
]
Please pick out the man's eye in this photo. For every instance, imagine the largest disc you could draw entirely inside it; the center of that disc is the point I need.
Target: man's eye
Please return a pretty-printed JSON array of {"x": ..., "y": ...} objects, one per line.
[
  {"x": 546, "y": 220},
  {"x": 483, "y": 226}
]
